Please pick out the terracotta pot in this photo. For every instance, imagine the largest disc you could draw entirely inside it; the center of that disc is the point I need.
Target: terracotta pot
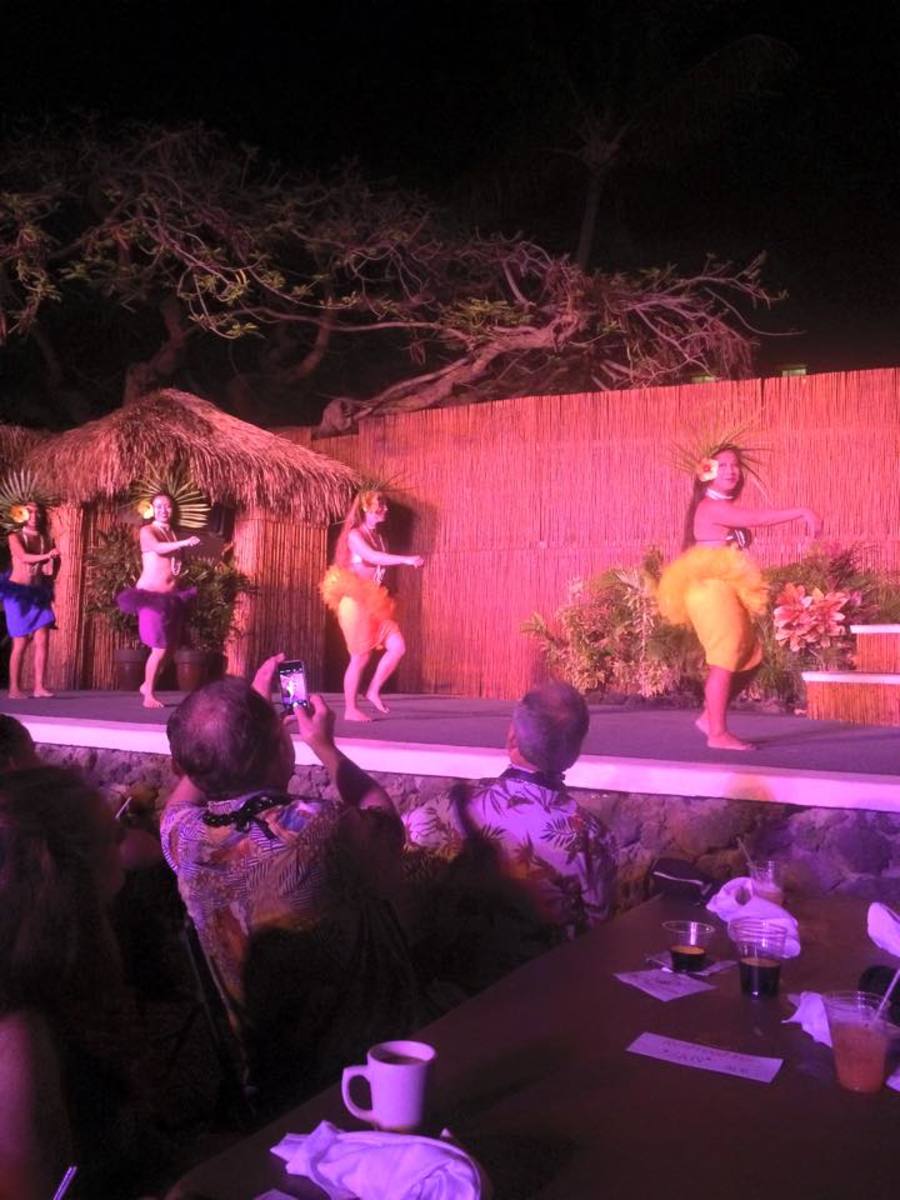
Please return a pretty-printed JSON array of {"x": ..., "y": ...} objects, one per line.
[
  {"x": 129, "y": 662},
  {"x": 191, "y": 669}
]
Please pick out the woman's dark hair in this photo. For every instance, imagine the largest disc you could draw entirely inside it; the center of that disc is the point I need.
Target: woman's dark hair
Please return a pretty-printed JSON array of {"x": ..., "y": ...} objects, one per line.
[
  {"x": 56, "y": 946},
  {"x": 699, "y": 491},
  {"x": 16, "y": 746}
]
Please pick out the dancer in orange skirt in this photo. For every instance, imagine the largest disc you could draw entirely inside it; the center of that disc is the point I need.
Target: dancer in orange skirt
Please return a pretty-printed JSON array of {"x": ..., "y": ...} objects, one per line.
[
  {"x": 353, "y": 590},
  {"x": 717, "y": 588}
]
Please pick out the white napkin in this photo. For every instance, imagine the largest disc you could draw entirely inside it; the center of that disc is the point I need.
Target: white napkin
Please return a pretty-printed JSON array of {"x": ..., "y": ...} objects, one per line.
[
  {"x": 884, "y": 928},
  {"x": 382, "y": 1166},
  {"x": 810, "y": 1016},
  {"x": 736, "y": 899}
]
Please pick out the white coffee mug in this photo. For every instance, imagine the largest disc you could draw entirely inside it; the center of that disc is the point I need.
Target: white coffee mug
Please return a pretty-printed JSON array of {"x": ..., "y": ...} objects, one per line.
[{"x": 397, "y": 1074}]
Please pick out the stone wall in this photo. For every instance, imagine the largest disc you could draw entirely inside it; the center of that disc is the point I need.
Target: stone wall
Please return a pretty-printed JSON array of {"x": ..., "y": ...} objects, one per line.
[{"x": 825, "y": 849}]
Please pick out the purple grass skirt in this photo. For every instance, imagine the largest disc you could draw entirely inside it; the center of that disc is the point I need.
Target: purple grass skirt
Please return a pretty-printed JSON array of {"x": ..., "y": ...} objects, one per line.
[
  {"x": 160, "y": 614},
  {"x": 27, "y": 606}
]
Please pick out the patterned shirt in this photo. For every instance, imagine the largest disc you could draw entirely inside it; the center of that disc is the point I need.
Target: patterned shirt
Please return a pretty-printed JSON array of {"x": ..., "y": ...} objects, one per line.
[
  {"x": 293, "y": 906},
  {"x": 512, "y": 865}
]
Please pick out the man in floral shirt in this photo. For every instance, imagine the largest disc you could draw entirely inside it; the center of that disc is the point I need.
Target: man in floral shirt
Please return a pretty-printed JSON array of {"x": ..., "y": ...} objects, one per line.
[{"x": 509, "y": 867}]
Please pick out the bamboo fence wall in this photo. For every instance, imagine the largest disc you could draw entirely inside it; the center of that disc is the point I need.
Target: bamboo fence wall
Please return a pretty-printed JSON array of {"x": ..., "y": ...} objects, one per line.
[
  {"x": 510, "y": 500},
  {"x": 285, "y": 563}
]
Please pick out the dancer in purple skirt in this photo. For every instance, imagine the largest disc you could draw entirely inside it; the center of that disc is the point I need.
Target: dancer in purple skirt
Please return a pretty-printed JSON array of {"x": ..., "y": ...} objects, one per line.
[{"x": 156, "y": 599}]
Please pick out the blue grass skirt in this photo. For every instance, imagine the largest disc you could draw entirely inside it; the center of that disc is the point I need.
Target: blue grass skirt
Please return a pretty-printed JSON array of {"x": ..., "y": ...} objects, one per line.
[{"x": 28, "y": 607}]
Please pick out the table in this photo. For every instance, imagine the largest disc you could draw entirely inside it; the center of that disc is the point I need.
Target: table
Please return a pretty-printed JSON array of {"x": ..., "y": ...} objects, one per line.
[{"x": 534, "y": 1079}]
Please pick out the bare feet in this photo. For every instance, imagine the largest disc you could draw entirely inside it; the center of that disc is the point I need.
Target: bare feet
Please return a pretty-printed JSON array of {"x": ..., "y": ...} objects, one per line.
[
  {"x": 355, "y": 714},
  {"x": 16, "y": 694},
  {"x": 43, "y": 694},
  {"x": 374, "y": 699},
  {"x": 727, "y": 741},
  {"x": 150, "y": 701}
]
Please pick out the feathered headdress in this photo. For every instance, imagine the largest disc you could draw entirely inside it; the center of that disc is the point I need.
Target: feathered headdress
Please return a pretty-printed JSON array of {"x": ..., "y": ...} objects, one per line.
[
  {"x": 192, "y": 508},
  {"x": 697, "y": 457},
  {"x": 19, "y": 488}
]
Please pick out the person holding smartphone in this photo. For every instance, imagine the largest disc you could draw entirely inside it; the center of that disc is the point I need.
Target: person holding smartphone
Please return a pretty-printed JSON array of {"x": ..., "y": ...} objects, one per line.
[
  {"x": 295, "y": 899},
  {"x": 353, "y": 590}
]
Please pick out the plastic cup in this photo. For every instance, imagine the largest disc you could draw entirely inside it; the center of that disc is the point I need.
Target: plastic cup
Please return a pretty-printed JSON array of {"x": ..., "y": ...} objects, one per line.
[
  {"x": 766, "y": 881},
  {"x": 760, "y": 949},
  {"x": 860, "y": 1039},
  {"x": 688, "y": 942}
]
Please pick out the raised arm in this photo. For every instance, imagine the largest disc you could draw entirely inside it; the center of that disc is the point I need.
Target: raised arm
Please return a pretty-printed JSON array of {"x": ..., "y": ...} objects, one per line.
[
  {"x": 729, "y": 515},
  {"x": 151, "y": 544},
  {"x": 354, "y": 786},
  {"x": 380, "y": 558}
]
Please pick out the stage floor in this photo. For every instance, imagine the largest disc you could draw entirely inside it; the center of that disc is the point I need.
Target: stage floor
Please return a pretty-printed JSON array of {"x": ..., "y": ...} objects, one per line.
[{"x": 654, "y": 750}]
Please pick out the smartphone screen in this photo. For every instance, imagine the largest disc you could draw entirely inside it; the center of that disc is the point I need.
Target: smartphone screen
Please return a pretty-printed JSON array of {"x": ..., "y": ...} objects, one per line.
[{"x": 292, "y": 681}]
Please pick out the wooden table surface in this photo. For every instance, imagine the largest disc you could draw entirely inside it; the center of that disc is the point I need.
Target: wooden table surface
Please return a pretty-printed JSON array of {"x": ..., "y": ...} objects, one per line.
[{"x": 534, "y": 1079}]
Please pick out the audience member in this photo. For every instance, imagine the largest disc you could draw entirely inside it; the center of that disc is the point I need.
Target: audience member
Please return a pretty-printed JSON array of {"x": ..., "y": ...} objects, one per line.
[
  {"x": 68, "y": 1086},
  {"x": 512, "y": 865},
  {"x": 16, "y": 746},
  {"x": 292, "y": 900}
]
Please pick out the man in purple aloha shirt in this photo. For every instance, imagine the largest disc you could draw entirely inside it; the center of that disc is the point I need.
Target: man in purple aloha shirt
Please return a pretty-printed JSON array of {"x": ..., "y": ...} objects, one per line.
[
  {"x": 509, "y": 867},
  {"x": 292, "y": 898}
]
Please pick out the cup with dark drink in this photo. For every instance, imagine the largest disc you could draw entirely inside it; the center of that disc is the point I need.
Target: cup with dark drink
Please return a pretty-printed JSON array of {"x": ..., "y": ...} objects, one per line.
[
  {"x": 760, "y": 950},
  {"x": 688, "y": 942}
]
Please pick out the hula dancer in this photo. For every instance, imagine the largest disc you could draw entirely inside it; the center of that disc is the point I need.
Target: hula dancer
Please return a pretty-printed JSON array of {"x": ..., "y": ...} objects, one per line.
[
  {"x": 353, "y": 590},
  {"x": 27, "y": 591},
  {"x": 717, "y": 588},
  {"x": 156, "y": 598}
]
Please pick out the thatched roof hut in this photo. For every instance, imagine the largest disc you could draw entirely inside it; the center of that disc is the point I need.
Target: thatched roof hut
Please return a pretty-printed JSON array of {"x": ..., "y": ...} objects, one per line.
[
  {"x": 234, "y": 463},
  {"x": 15, "y": 443}
]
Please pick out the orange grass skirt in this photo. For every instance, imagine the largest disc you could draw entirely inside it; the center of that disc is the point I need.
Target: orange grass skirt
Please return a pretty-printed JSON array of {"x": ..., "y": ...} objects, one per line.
[
  {"x": 364, "y": 609},
  {"x": 717, "y": 590}
]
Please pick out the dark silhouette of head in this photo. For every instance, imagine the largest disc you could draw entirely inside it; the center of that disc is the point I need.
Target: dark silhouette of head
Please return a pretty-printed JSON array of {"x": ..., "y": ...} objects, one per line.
[{"x": 229, "y": 741}]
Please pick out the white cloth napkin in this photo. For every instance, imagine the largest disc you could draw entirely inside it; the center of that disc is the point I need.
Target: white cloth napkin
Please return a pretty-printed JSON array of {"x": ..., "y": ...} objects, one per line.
[
  {"x": 736, "y": 899},
  {"x": 884, "y": 928},
  {"x": 382, "y": 1166},
  {"x": 810, "y": 1016}
]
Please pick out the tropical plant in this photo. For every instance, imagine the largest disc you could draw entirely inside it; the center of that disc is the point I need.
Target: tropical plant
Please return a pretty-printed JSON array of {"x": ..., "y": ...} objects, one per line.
[
  {"x": 210, "y": 619},
  {"x": 813, "y": 603},
  {"x": 113, "y": 564},
  {"x": 608, "y": 635}
]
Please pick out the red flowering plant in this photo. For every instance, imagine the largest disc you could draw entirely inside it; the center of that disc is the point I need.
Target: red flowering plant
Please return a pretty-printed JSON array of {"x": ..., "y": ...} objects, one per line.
[
  {"x": 814, "y": 621},
  {"x": 815, "y": 601}
]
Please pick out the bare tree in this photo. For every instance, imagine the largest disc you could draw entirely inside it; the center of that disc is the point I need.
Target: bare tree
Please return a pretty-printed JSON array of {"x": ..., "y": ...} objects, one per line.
[{"x": 203, "y": 244}]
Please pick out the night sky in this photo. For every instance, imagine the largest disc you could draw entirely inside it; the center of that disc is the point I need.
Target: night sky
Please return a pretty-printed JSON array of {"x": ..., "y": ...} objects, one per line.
[{"x": 475, "y": 99}]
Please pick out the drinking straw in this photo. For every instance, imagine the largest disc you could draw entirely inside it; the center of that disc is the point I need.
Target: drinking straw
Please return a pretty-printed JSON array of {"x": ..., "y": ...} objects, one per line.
[
  {"x": 887, "y": 995},
  {"x": 745, "y": 851},
  {"x": 66, "y": 1182}
]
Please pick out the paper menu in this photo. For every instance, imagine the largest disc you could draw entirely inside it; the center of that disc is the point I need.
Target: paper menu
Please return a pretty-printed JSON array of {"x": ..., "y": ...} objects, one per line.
[
  {"x": 706, "y": 1058},
  {"x": 664, "y": 985}
]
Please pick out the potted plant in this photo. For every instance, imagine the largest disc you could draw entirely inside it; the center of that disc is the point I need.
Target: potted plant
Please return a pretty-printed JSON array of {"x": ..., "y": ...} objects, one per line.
[
  {"x": 112, "y": 566},
  {"x": 210, "y": 619}
]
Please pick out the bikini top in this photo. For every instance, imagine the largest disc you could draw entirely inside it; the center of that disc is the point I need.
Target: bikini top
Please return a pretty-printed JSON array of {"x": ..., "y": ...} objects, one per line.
[{"x": 742, "y": 538}]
